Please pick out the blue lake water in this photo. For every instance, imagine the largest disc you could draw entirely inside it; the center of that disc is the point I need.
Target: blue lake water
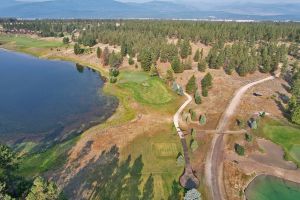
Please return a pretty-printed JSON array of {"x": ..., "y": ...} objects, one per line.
[{"x": 40, "y": 96}]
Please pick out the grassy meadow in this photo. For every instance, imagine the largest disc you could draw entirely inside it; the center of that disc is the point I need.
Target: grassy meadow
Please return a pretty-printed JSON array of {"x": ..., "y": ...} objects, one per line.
[{"x": 288, "y": 137}]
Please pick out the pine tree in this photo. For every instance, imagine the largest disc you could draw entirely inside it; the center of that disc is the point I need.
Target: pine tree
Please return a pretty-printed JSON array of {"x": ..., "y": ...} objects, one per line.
[
  {"x": 77, "y": 49},
  {"x": 99, "y": 52},
  {"x": 201, "y": 66},
  {"x": 105, "y": 56},
  {"x": 197, "y": 56},
  {"x": 177, "y": 66},
  {"x": 146, "y": 59},
  {"x": 124, "y": 49},
  {"x": 185, "y": 49},
  {"x": 170, "y": 75},
  {"x": 197, "y": 98},
  {"x": 191, "y": 86}
]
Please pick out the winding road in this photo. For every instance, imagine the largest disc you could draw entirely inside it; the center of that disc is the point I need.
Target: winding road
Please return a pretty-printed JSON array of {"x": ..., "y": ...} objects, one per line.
[{"x": 214, "y": 160}]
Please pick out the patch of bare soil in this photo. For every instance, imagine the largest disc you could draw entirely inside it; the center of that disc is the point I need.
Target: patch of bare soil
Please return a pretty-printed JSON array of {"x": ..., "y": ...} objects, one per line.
[
  {"x": 273, "y": 100},
  {"x": 219, "y": 96},
  {"x": 272, "y": 155}
]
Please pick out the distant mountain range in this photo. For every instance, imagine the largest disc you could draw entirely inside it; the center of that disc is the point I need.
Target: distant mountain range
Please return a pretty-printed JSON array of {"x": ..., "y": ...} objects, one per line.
[{"x": 154, "y": 9}]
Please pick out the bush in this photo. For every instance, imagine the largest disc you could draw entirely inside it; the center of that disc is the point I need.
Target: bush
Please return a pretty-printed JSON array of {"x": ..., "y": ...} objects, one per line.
[
  {"x": 240, "y": 150},
  {"x": 180, "y": 159},
  {"x": 130, "y": 61},
  {"x": 192, "y": 194},
  {"x": 204, "y": 92},
  {"x": 202, "y": 120},
  {"x": 197, "y": 98},
  {"x": 113, "y": 79},
  {"x": 194, "y": 145},
  {"x": 66, "y": 40},
  {"x": 193, "y": 133},
  {"x": 193, "y": 114},
  {"x": 248, "y": 137},
  {"x": 114, "y": 72}
]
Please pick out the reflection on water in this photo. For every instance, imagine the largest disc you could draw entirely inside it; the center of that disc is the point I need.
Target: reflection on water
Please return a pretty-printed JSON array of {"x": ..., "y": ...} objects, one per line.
[{"x": 39, "y": 97}]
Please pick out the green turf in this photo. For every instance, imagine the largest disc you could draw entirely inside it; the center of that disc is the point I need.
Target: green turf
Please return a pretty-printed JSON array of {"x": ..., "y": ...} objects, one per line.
[
  {"x": 27, "y": 42},
  {"x": 51, "y": 159},
  {"x": 159, "y": 154},
  {"x": 146, "y": 89},
  {"x": 286, "y": 136}
]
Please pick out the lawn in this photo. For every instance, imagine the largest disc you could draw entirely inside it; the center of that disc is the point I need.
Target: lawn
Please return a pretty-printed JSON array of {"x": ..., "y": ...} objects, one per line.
[
  {"x": 286, "y": 136},
  {"x": 50, "y": 159},
  {"x": 145, "y": 89},
  {"x": 27, "y": 42},
  {"x": 159, "y": 151}
]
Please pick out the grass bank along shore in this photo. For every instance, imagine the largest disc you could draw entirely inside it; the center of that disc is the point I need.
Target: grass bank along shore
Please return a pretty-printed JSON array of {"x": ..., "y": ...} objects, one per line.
[{"x": 141, "y": 126}]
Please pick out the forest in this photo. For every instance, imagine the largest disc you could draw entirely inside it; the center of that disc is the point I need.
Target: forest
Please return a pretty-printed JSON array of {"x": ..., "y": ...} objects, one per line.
[{"x": 235, "y": 47}]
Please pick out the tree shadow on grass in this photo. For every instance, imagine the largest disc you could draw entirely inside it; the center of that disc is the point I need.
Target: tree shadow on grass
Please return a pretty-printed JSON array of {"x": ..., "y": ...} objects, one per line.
[
  {"x": 175, "y": 193},
  {"x": 108, "y": 178}
]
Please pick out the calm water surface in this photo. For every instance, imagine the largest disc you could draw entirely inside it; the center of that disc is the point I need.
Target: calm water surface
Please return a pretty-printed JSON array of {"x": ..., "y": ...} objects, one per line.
[
  {"x": 272, "y": 188},
  {"x": 40, "y": 96}
]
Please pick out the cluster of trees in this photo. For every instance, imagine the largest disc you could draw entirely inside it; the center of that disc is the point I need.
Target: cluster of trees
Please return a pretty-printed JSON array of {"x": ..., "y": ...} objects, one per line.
[
  {"x": 246, "y": 58},
  {"x": 294, "y": 102},
  {"x": 108, "y": 31},
  {"x": 13, "y": 186},
  {"x": 149, "y": 41}
]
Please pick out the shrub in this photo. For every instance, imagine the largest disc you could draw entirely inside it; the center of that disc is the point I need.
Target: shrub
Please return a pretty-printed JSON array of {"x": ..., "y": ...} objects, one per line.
[
  {"x": 240, "y": 150},
  {"x": 197, "y": 98},
  {"x": 204, "y": 92},
  {"x": 194, "y": 145},
  {"x": 202, "y": 120},
  {"x": 193, "y": 114},
  {"x": 113, "y": 79},
  {"x": 192, "y": 194},
  {"x": 193, "y": 133},
  {"x": 66, "y": 40},
  {"x": 248, "y": 137},
  {"x": 114, "y": 72},
  {"x": 180, "y": 159},
  {"x": 130, "y": 61}
]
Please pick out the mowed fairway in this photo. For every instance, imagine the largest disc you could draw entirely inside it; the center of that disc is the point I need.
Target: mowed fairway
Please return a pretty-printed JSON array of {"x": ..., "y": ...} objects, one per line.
[
  {"x": 146, "y": 89},
  {"x": 286, "y": 136},
  {"x": 159, "y": 151},
  {"x": 27, "y": 42}
]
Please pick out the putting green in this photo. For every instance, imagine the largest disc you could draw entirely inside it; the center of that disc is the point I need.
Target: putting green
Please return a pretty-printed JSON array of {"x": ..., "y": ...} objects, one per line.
[{"x": 295, "y": 152}]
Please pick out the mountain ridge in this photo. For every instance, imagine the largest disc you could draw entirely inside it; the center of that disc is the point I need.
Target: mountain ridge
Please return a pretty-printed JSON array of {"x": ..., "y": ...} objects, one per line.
[{"x": 153, "y": 9}]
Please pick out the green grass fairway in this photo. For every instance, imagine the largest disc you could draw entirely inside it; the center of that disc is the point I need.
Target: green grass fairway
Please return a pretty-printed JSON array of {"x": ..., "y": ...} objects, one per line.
[
  {"x": 146, "y": 89},
  {"x": 51, "y": 159},
  {"x": 286, "y": 136},
  {"x": 27, "y": 42},
  {"x": 159, "y": 154}
]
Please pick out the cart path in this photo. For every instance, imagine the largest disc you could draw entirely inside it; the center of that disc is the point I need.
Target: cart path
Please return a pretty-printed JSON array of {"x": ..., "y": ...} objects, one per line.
[{"x": 214, "y": 160}]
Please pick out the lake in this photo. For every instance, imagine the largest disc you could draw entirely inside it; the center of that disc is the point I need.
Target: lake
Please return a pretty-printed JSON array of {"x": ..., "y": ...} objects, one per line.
[
  {"x": 41, "y": 98},
  {"x": 266, "y": 187}
]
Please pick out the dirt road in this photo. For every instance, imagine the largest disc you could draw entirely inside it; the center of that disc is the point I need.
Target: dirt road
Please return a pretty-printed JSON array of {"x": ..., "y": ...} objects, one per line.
[{"x": 214, "y": 160}]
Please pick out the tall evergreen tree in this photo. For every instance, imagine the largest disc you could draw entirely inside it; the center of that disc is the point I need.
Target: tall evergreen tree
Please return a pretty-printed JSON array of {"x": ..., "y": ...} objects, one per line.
[
  {"x": 99, "y": 52},
  {"x": 197, "y": 56},
  {"x": 177, "y": 66},
  {"x": 191, "y": 86}
]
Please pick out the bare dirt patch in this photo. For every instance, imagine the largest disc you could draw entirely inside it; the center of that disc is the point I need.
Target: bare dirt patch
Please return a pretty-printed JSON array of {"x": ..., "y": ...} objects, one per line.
[{"x": 273, "y": 155}]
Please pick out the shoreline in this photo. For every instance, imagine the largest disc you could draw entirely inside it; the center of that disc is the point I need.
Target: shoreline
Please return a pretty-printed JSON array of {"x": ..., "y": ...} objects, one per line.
[{"x": 265, "y": 174}]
